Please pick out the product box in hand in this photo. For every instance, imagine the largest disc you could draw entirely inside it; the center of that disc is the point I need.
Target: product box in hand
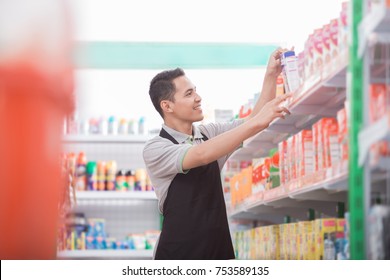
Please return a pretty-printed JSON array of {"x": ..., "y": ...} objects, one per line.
[{"x": 290, "y": 72}]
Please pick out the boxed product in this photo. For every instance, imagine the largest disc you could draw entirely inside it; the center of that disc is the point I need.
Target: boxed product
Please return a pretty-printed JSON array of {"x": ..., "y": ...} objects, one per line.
[
  {"x": 246, "y": 182},
  {"x": 326, "y": 51},
  {"x": 308, "y": 57},
  {"x": 343, "y": 136},
  {"x": 332, "y": 147},
  {"x": 274, "y": 177},
  {"x": 290, "y": 72},
  {"x": 283, "y": 171},
  {"x": 324, "y": 229},
  {"x": 379, "y": 101},
  {"x": 258, "y": 175},
  {"x": 317, "y": 52},
  {"x": 343, "y": 28},
  {"x": 235, "y": 189},
  {"x": 305, "y": 153},
  {"x": 334, "y": 39}
]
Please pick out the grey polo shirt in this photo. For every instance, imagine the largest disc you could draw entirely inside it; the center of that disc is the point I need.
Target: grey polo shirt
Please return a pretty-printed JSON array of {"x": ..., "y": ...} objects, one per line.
[{"x": 163, "y": 159}]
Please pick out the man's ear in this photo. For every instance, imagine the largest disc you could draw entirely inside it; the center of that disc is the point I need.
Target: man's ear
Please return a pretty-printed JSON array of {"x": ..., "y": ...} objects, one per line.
[{"x": 166, "y": 106}]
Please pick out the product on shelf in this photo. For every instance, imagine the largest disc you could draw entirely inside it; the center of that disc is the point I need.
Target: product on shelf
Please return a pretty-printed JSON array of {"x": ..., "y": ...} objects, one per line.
[
  {"x": 91, "y": 176},
  {"x": 121, "y": 183},
  {"x": 81, "y": 172},
  {"x": 274, "y": 171},
  {"x": 379, "y": 232},
  {"x": 111, "y": 169},
  {"x": 101, "y": 175},
  {"x": 318, "y": 60},
  {"x": 343, "y": 137},
  {"x": 343, "y": 28}
]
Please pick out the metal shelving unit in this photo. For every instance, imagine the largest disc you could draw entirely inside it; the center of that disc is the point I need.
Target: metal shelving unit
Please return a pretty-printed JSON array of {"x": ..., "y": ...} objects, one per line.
[
  {"x": 318, "y": 98},
  {"x": 124, "y": 212}
]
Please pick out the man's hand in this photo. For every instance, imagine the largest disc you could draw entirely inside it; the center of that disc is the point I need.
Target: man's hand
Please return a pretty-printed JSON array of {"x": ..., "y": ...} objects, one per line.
[
  {"x": 272, "y": 110},
  {"x": 274, "y": 67}
]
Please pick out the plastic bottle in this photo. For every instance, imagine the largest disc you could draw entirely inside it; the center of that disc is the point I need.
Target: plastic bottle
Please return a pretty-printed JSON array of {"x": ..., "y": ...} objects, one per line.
[
  {"x": 110, "y": 175},
  {"x": 130, "y": 178},
  {"x": 91, "y": 176},
  {"x": 122, "y": 129},
  {"x": 121, "y": 184},
  {"x": 112, "y": 125},
  {"x": 101, "y": 175},
  {"x": 81, "y": 175},
  {"x": 141, "y": 126}
]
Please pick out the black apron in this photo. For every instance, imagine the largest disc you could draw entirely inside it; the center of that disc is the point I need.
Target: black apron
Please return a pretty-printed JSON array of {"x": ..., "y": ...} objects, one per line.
[{"x": 195, "y": 225}]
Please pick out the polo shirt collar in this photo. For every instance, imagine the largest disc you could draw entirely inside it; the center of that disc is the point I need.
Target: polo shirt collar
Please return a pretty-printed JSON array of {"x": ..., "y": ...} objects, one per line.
[{"x": 182, "y": 137}]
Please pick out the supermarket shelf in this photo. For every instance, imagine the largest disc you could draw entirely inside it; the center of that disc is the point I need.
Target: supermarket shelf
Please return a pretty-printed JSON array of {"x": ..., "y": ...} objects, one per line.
[
  {"x": 378, "y": 131},
  {"x": 106, "y": 254},
  {"x": 322, "y": 196},
  {"x": 316, "y": 99},
  {"x": 374, "y": 27},
  {"x": 106, "y": 138},
  {"x": 108, "y": 195}
]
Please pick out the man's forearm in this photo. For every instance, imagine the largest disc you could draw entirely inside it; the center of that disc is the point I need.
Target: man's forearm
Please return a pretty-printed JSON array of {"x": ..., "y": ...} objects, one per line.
[
  {"x": 268, "y": 92},
  {"x": 220, "y": 145}
]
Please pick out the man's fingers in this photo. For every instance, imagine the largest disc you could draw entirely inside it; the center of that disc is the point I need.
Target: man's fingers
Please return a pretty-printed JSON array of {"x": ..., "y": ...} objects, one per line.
[
  {"x": 282, "y": 98},
  {"x": 284, "y": 110}
]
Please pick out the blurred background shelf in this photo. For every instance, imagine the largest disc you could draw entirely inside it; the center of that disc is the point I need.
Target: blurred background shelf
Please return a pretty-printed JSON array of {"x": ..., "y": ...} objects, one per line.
[{"x": 106, "y": 254}]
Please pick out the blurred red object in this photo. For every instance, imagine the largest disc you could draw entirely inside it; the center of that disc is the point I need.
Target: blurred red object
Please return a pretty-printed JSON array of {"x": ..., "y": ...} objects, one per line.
[{"x": 36, "y": 93}]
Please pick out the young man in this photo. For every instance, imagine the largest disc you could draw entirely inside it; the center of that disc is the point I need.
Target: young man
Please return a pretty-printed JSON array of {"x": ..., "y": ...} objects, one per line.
[{"x": 184, "y": 163}]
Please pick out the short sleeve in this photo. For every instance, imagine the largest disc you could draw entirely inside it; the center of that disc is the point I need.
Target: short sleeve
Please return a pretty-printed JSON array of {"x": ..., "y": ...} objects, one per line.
[{"x": 164, "y": 158}]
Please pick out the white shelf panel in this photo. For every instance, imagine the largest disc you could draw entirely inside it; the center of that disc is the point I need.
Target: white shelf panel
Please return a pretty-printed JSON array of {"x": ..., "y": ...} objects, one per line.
[
  {"x": 106, "y": 138},
  {"x": 321, "y": 196},
  {"x": 317, "y": 98},
  {"x": 374, "y": 23},
  {"x": 378, "y": 131},
  {"x": 108, "y": 195},
  {"x": 105, "y": 254}
]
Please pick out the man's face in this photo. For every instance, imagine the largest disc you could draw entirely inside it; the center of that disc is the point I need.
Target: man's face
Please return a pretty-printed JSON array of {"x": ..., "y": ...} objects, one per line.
[{"x": 187, "y": 105}]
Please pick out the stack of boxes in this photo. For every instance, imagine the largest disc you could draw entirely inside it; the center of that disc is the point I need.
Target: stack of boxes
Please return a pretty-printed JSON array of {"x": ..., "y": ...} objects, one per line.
[{"x": 307, "y": 240}]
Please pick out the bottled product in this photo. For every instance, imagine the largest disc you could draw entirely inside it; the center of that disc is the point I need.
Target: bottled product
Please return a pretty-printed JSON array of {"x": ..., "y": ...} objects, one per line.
[
  {"x": 141, "y": 126},
  {"x": 91, "y": 176},
  {"x": 101, "y": 175},
  {"x": 130, "y": 127},
  {"x": 122, "y": 129},
  {"x": 121, "y": 184},
  {"x": 81, "y": 175},
  {"x": 110, "y": 175},
  {"x": 130, "y": 178},
  {"x": 112, "y": 125}
]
